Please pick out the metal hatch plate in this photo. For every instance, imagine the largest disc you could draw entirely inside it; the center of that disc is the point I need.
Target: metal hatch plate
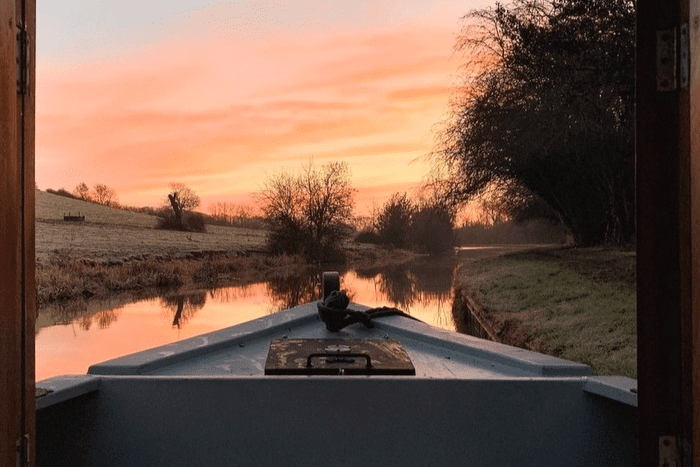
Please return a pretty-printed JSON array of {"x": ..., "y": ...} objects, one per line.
[{"x": 337, "y": 357}]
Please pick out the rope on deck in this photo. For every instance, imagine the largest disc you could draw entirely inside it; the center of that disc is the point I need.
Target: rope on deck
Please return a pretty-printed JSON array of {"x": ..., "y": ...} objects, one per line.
[{"x": 335, "y": 313}]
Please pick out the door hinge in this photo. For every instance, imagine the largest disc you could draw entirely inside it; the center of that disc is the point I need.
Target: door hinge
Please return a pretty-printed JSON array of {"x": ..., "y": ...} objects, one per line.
[
  {"x": 22, "y": 61},
  {"x": 668, "y": 451},
  {"x": 684, "y": 56},
  {"x": 672, "y": 58},
  {"x": 666, "y": 60},
  {"x": 22, "y": 454}
]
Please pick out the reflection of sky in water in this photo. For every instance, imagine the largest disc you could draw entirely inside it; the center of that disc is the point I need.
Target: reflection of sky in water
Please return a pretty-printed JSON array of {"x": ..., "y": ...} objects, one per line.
[
  {"x": 88, "y": 337},
  {"x": 432, "y": 308}
]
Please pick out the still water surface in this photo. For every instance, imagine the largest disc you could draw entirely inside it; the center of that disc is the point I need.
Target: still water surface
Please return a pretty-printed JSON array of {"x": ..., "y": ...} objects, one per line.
[{"x": 72, "y": 337}]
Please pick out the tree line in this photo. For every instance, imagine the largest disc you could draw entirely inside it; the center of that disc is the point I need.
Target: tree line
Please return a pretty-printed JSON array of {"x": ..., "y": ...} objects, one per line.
[
  {"x": 311, "y": 213},
  {"x": 542, "y": 129},
  {"x": 232, "y": 214},
  {"x": 100, "y": 194}
]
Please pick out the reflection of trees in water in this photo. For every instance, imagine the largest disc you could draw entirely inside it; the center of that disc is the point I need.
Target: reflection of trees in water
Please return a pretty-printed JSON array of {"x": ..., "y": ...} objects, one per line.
[
  {"x": 233, "y": 294},
  {"x": 287, "y": 292},
  {"x": 443, "y": 314},
  {"x": 182, "y": 307},
  {"x": 102, "y": 318},
  {"x": 85, "y": 322},
  {"x": 80, "y": 312},
  {"x": 424, "y": 281},
  {"x": 434, "y": 280},
  {"x": 399, "y": 286}
]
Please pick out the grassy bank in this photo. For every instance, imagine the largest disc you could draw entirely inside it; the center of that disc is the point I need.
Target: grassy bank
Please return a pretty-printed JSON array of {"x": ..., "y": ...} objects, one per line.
[
  {"x": 65, "y": 278},
  {"x": 577, "y": 304}
]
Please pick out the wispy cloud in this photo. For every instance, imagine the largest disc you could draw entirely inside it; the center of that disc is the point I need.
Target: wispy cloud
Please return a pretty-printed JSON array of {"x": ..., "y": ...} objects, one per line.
[{"x": 221, "y": 114}]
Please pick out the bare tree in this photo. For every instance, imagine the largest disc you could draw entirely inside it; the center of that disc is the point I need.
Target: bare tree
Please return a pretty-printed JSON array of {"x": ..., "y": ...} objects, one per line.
[
  {"x": 104, "y": 195},
  {"x": 309, "y": 212},
  {"x": 182, "y": 199},
  {"x": 329, "y": 200},
  {"x": 217, "y": 211},
  {"x": 82, "y": 191},
  {"x": 243, "y": 214},
  {"x": 231, "y": 213}
]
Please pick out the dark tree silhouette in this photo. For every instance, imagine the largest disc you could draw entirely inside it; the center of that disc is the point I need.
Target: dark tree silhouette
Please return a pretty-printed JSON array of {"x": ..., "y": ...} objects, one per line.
[
  {"x": 394, "y": 219},
  {"x": 309, "y": 213},
  {"x": 183, "y": 200},
  {"x": 547, "y": 114}
]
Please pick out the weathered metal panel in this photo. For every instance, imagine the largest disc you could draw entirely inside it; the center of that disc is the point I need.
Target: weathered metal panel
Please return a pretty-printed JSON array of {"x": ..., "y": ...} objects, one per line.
[
  {"x": 325, "y": 420},
  {"x": 342, "y": 356}
]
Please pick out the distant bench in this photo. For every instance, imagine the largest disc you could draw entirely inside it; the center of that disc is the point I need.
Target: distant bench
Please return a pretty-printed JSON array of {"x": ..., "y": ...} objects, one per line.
[{"x": 70, "y": 218}]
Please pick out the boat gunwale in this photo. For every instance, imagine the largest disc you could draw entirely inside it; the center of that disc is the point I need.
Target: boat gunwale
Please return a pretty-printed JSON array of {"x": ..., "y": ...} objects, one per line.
[
  {"x": 166, "y": 355},
  {"x": 417, "y": 335}
]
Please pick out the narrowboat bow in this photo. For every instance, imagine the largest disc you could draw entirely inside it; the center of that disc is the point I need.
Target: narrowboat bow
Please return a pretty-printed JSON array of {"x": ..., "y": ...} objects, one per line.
[{"x": 287, "y": 390}]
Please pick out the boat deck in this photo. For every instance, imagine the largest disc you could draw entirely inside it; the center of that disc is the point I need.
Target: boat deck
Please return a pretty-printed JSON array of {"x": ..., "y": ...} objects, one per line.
[
  {"x": 207, "y": 401},
  {"x": 242, "y": 350}
]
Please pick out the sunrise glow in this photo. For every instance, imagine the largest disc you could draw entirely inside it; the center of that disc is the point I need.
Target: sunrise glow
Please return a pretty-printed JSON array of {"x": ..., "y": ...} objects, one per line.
[{"x": 220, "y": 95}]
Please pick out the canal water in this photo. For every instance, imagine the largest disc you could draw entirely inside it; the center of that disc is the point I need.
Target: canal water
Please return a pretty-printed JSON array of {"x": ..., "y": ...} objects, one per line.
[{"x": 72, "y": 337}]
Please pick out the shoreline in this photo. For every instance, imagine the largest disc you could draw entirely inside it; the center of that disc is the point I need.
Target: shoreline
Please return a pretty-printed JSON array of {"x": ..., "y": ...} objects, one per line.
[
  {"x": 62, "y": 279},
  {"x": 574, "y": 303}
]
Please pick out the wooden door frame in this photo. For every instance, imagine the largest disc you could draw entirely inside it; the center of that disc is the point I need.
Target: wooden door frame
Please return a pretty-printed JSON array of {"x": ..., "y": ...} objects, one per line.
[
  {"x": 668, "y": 232},
  {"x": 668, "y": 203},
  {"x": 17, "y": 285}
]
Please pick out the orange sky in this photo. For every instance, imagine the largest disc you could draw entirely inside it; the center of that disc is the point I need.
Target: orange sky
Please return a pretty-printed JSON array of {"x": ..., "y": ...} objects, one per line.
[{"x": 224, "y": 94}]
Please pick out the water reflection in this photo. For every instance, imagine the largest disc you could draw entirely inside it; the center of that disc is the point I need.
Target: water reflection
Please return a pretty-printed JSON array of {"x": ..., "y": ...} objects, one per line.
[
  {"x": 233, "y": 294},
  {"x": 183, "y": 306},
  {"x": 83, "y": 313},
  {"x": 288, "y": 292},
  {"x": 398, "y": 285},
  {"x": 72, "y": 336},
  {"x": 420, "y": 283},
  {"x": 102, "y": 318},
  {"x": 410, "y": 287}
]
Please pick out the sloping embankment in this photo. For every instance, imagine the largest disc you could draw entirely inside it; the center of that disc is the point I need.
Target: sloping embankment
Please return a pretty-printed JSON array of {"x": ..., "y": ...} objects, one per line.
[{"x": 575, "y": 303}]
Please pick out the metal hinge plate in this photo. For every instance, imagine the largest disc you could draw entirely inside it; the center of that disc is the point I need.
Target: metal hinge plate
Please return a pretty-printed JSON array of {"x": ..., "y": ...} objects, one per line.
[
  {"x": 666, "y": 60},
  {"x": 22, "y": 60},
  {"x": 672, "y": 58},
  {"x": 22, "y": 454},
  {"x": 684, "y": 56},
  {"x": 668, "y": 451}
]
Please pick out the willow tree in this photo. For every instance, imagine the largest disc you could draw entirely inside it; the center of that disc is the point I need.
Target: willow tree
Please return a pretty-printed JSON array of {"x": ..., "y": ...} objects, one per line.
[{"x": 547, "y": 114}]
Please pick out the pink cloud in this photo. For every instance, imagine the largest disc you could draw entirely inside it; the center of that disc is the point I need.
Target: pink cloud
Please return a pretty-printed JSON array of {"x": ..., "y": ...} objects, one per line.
[{"x": 222, "y": 115}]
